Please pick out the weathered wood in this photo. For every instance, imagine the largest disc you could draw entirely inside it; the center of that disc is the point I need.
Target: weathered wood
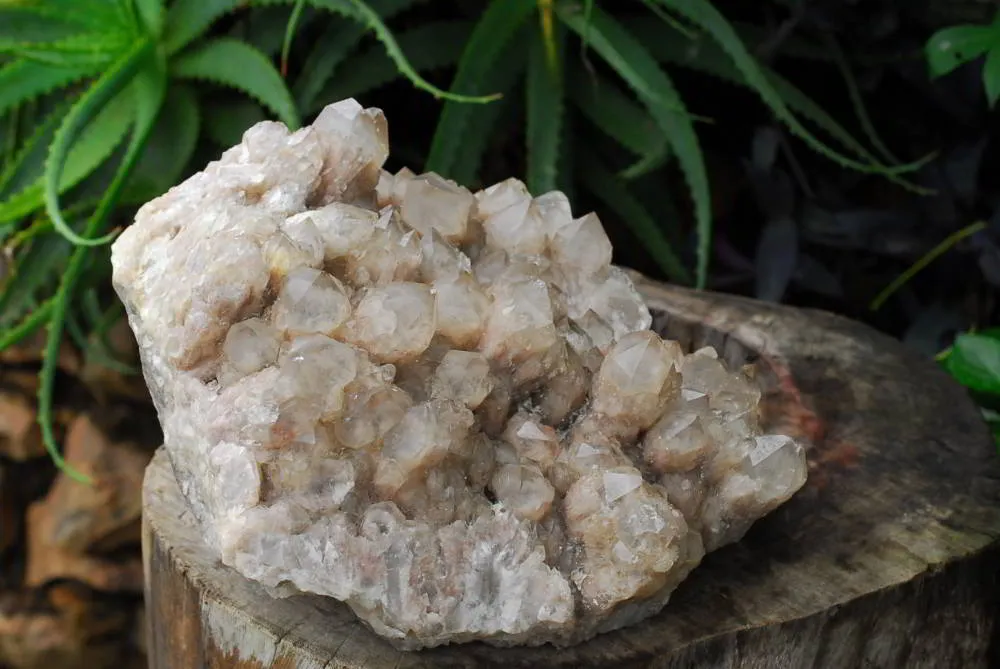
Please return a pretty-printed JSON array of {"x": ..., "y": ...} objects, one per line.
[{"x": 888, "y": 557}]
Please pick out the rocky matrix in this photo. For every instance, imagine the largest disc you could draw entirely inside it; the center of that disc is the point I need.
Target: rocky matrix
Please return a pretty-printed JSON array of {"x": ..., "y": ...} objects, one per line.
[{"x": 444, "y": 408}]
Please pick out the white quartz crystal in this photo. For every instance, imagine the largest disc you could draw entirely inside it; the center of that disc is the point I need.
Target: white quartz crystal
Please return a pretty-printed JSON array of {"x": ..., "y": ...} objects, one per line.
[{"x": 444, "y": 408}]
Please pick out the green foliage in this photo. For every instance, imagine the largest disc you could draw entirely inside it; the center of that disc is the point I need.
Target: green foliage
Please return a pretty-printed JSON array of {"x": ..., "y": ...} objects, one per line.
[
  {"x": 103, "y": 104},
  {"x": 233, "y": 63},
  {"x": 652, "y": 122},
  {"x": 974, "y": 361},
  {"x": 544, "y": 97},
  {"x": 78, "y": 77},
  {"x": 954, "y": 46}
]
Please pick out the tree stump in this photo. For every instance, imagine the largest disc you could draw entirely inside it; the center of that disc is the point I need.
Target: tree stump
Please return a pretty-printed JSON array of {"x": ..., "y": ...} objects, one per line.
[{"x": 888, "y": 557}]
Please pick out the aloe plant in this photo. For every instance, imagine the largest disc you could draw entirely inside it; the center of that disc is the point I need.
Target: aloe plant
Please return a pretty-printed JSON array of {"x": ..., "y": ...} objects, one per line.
[
  {"x": 109, "y": 86},
  {"x": 103, "y": 104}
]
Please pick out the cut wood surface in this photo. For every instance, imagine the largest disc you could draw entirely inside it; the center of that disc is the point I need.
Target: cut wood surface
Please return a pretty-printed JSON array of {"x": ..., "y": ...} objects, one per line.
[{"x": 888, "y": 557}]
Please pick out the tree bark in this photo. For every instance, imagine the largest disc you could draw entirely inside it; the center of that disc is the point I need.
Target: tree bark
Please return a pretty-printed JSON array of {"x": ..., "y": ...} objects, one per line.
[{"x": 886, "y": 558}]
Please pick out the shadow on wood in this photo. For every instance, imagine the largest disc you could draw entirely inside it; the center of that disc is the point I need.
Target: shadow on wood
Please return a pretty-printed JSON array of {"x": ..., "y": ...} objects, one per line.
[{"x": 888, "y": 557}]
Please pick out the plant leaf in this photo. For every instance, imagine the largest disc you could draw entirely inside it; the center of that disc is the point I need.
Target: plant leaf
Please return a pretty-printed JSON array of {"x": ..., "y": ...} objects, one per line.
[
  {"x": 364, "y": 13},
  {"x": 501, "y": 119},
  {"x": 544, "y": 97},
  {"x": 336, "y": 44},
  {"x": 150, "y": 14},
  {"x": 949, "y": 48},
  {"x": 858, "y": 102},
  {"x": 638, "y": 68},
  {"x": 35, "y": 269},
  {"x": 34, "y": 24},
  {"x": 975, "y": 362},
  {"x": 34, "y": 321},
  {"x": 290, "y": 28},
  {"x": 187, "y": 20},
  {"x": 87, "y": 14},
  {"x": 230, "y": 62},
  {"x": 707, "y": 57},
  {"x": 704, "y": 14},
  {"x": 95, "y": 51},
  {"x": 22, "y": 80},
  {"x": 149, "y": 88},
  {"x": 265, "y": 28},
  {"x": 492, "y": 33},
  {"x": 171, "y": 143},
  {"x": 112, "y": 82},
  {"x": 26, "y": 163},
  {"x": 939, "y": 250},
  {"x": 603, "y": 103},
  {"x": 482, "y": 128},
  {"x": 333, "y": 46},
  {"x": 96, "y": 143},
  {"x": 611, "y": 190},
  {"x": 566, "y": 160},
  {"x": 433, "y": 45}
]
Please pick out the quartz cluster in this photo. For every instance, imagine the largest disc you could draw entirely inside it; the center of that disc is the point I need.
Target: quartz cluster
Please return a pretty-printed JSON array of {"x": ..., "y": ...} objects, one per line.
[{"x": 444, "y": 408}]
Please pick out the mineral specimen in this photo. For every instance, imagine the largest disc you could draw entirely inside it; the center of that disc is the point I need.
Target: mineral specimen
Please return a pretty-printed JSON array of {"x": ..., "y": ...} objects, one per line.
[{"x": 444, "y": 408}]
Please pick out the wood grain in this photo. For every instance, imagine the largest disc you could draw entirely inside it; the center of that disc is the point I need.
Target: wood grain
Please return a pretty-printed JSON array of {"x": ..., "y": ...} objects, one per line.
[{"x": 888, "y": 557}]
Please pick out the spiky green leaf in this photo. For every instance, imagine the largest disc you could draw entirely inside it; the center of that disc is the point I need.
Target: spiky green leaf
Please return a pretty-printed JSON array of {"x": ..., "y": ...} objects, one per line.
[
  {"x": 171, "y": 143},
  {"x": 336, "y": 44},
  {"x": 603, "y": 103},
  {"x": 612, "y": 190},
  {"x": 93, "y": 15},
  {"x": 95, "y": 144},
  {"x": 707, "y": 57},
  {"x": 35, "y": 270},
  {"x": 858, "y": 102},
  {"x": 28, "y": 24},
  {"x": 109, "y": 85},
  {"x": 148, "y": 88},
  {"x": 290, "y": 29},
  {"x": 544, "y": 98},
  {"x": 87, "y": 50},
  {"x": 187, "y": 20},
  {"x": 26, "y": 162},
  {"x": 151, "y": 14},
  {"x": 22, "y": 80},
  {"x": 705, "y": 15},
  {"x": 566, "y": 167},
  {"x": 265, "y": 28},
  {"x": 636, "y": 66},
  {"x": 499, "y": 23},
  {"x": 433, "y": 45},
  {"x": 32, "y": 323},
  {"x": 496, "y": 120},
  {"x": 233, "y": 63},
  {"x": 364, "y": 13}
]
